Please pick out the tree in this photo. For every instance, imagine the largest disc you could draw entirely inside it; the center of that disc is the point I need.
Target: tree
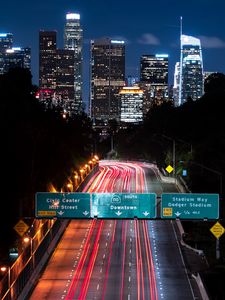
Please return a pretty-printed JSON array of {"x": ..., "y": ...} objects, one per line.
[{"x": 214, "y": 83}]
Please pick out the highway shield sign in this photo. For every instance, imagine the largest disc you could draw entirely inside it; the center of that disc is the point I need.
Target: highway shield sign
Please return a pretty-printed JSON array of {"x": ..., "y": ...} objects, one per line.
[{"x": 123, "y": 205}]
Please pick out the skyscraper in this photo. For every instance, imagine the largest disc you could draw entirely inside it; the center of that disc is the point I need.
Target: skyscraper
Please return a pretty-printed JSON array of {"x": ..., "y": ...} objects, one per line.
[
  {"x": 176, "y": 84},
  {"x": 154, "y": 79},
  {"x": 6, "y": 41},
  {"x": 191, "y": 69},
  {"x": 56, "y": 73},
  {"x": 73, "y": 40},
  {"x": 47, "y": 60},
  {"x": 107, "y": 78},
  {"x": 131, "y": 104},
  {"x": 17, "y": 57},
  {"x": 65, "y": 80},
  {"x": 12, "y": 57}
]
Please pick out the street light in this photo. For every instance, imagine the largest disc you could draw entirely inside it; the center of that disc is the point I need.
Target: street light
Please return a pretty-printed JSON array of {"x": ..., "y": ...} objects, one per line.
[
  {"x": 3, "y": 270},
  {"x": 81, "y": 174},
  {"x": 70, "y": 186},
  {"x": 76, "y": 177},
  {"x": 96, "y": 157},
  {"x": 174, "y": 150},
  {"x": 28, "y": 240}
]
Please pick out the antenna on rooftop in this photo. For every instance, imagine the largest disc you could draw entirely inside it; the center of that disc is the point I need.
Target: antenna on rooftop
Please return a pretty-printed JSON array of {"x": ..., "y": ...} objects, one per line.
[{"x": 181, "y": 26}]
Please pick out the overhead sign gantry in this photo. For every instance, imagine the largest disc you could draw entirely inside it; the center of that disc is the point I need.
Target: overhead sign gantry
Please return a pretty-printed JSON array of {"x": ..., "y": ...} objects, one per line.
[{"x": 127, "y": 206}]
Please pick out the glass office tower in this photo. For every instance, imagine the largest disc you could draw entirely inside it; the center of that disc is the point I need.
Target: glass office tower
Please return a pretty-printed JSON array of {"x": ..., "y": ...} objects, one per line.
[
  {"x": 6, "y": 42},
  {"x": 131, "y": 104},
  {"x": 154, "y": 80},
  {"x": 107, "y": 78},
  {"x": 191, "y": 69},
  {"x": 73, "y": 40},
  {"x": 47, "y": 59},
  {"x": 17, "y": 57}
]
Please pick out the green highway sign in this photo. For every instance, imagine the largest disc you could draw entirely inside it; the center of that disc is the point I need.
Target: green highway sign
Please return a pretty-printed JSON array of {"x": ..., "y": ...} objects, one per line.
[
  {"x": 190, "y": 206},
  {"x": 62, "y": 205},
  {"x": 123, "y": 205}
]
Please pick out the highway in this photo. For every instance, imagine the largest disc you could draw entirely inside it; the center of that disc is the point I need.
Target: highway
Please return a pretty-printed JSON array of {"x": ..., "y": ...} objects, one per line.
[{"x": 118, "y": 259}]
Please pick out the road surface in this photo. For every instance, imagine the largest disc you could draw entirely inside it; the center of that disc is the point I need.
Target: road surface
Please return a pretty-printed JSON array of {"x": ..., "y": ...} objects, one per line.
[{"x": 118, "y": 259}]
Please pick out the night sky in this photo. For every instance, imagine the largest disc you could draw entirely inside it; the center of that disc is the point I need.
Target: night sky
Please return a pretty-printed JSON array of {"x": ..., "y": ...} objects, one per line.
[{"x": 147, "y": 26}]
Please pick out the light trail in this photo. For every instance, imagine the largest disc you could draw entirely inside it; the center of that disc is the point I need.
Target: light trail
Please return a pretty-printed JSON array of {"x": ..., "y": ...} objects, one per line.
[
  {"x": 109, "y": 260},
  {"x": 116, "y": 177},
  {"x": 82, "y": 260},
  {"x": 90, "y": 265}
]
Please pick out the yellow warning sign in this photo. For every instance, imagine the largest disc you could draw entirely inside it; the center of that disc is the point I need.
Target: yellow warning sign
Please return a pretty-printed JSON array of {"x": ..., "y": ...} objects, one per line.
[
  {"x": 21, "y": 227},
  {"x": 167, "y": 211},
  {"x": 46, "y": 213},
  {"x": 169, "y": 169},
  {"x": 217, "y": 230}
]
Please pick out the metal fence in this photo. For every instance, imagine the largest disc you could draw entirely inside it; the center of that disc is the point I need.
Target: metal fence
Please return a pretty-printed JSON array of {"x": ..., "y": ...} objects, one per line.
[
  {"x": 18, "y": 274},
  {"x": 41, "y": 233}
]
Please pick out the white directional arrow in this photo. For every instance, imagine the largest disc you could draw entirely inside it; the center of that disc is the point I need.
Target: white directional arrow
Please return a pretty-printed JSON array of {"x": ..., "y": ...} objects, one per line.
[
  {"x": 118, "y": 213},
  {"x": 60, "y": 212},
  {"x": 177, "y": 213},
  {"x": 146, "y": 213},
  {"x": 95, "y": 213},
  {"x": 86, "y": 213}
]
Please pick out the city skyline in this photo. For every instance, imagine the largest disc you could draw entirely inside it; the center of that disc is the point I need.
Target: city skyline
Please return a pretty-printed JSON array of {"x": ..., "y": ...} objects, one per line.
[{"x": 146, "y": 29}]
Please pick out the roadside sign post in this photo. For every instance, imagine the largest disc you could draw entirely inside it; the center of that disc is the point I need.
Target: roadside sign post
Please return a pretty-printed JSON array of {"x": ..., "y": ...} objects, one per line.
[
  {"x": 21, "y": 227},
  {"x": 217, "y": 230},
  {"x": 190, "y": 206}
]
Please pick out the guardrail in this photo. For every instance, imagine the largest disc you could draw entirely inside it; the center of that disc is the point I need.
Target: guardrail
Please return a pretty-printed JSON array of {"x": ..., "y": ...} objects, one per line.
[
  {"x": 183, "y": 188},
  {"x": 201, "y": 287},
  {"x": 18, "y": 274}
]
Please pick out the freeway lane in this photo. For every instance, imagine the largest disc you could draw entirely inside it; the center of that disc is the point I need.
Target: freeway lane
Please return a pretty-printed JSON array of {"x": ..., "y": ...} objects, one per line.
[
  {"x": 118, "y": 267},
  {"x": 117, "y": 259}
]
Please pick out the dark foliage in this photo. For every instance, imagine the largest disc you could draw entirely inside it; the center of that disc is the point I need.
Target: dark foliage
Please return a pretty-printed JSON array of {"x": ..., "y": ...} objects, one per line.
[
  {"x": 198, "y": 129},
  {"x": 38, "y": 146}
]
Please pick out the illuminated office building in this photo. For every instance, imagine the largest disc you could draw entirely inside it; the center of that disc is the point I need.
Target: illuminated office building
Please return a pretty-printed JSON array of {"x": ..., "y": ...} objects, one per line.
[
  {"x": 13, "y": 57},
  {"x": 73, "y": 40},
  {"x": 154, "y": 79},
  {"x": 47, "y": 60},
  {"x": 176, "y": 84},
  {"x": 131, "y": 80},
  {"x": 65, "y": 80},
  {"x": 17, "y": 57},
  {"x": 56, "y": 73},
  {"x": 6, "y": 41},
  {"x": 191, "y": 69},
  {"x": 131, "y": 99},
  {"x": 107, "y": 78}
]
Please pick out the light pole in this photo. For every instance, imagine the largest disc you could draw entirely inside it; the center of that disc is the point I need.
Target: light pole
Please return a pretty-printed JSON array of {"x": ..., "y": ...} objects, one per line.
[
  {"x": 7, "y": 269},
  {"x": 220, "y": 192},
  {"x": 174, "y": 154},
  {"x": 27, "y": 240},
  {"x": 174, "y": 160}
]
